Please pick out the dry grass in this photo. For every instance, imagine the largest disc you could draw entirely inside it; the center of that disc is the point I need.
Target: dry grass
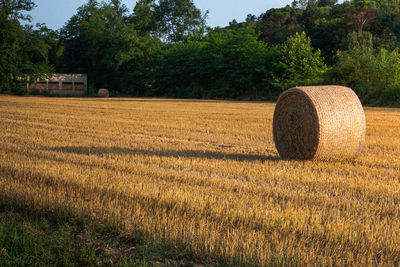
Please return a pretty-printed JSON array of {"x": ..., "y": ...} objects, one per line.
[{"x": 206, "y": 175}]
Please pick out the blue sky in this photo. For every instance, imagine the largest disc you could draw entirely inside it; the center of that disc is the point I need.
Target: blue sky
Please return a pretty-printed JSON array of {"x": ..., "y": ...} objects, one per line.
[{"x": 55, "y": 13}]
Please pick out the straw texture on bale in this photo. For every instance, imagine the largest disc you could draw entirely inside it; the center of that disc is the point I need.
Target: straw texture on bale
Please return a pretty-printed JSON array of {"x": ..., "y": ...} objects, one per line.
[
  {"x": 103, "y": 93},
  {"x": 319, "y": 123}
]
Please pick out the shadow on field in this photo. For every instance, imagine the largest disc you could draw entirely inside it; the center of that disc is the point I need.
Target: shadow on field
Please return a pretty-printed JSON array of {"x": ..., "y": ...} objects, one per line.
[{"x": 163, "y": 153}]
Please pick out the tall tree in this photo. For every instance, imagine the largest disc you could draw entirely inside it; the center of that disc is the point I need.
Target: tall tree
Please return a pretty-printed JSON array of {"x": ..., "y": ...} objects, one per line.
[
  {"x": 362, "y": 12},
  {"x": 95, "y": 39},
  {"x": 143, "y": 17},
  {"x": 102, "y": 41},
  {"x": 11, "y": 37},
  {"x": 74, "y": 58},
  {"x": 299, "y": 63},
  {"x": 15, "y": 9},
  {"x": 277, "y": 24},
  {"x": 177, "y": 18},
  {"x": 326, "y": 27},
  {"x": 23, "y": 53}
]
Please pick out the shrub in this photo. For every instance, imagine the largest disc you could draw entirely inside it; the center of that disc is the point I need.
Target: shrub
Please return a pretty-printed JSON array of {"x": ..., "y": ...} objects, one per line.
[
  {"x": 298, "y": 63},
  {"x": 373, "y": 73}
]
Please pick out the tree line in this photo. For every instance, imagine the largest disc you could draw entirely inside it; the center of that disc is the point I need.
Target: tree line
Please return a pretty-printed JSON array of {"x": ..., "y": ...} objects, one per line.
[{"x": 165, "y": 48}]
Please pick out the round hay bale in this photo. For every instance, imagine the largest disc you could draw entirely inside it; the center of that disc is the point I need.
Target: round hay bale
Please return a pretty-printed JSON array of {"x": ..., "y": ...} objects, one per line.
[
  {"x": 103, "y": 93},
  {"x": 319, "y": 123}
]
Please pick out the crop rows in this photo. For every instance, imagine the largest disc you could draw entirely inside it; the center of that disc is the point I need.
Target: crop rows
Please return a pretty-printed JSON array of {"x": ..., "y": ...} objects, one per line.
[{"x": 205, "y": 175}]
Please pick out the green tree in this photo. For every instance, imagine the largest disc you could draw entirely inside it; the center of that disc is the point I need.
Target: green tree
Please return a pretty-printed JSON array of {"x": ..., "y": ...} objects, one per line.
[
  {"x": 225, "y": 64},
  {"x": 140, "y": 64},
  {"x": 177, "y": 18},
  {"x": 362, "y": 12},
  {"x": 11, "y": 35},
  {"x": 326, "y": 27},
  {"x": 23, "y": 52},
  {"x": 75, "y": 56},
  {"x": 182, "y": 72},
  {"x": 95, "y": 39},
  {"x": 34, "y": 59},
  {"x": 386, "y": 28},
  {"x": 298, "y": 63},
  {"x": 144, "y": 18},
  {"x": 102, "y": 40},
  {"x": 239, "y": 63},
  {"x": 373, "y": 74},
  {"x": 276, "y": 25},
  {"x": 15, "y": 9},
  {"x": 52, "y": 40}
]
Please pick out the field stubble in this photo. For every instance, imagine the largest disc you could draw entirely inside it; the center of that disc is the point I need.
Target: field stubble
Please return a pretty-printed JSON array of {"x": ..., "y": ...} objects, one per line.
[{"x": 206, "y": 175}]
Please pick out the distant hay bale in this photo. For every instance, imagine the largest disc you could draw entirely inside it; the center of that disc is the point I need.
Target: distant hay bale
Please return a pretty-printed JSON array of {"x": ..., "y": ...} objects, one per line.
[
  {"x": 319, "y": 123},
  {"x": 103, "y": 93}
]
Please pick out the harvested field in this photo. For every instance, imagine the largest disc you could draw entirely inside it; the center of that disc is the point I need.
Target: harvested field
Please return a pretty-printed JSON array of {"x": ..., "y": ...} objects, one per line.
[{"x": 205, "y": 175}]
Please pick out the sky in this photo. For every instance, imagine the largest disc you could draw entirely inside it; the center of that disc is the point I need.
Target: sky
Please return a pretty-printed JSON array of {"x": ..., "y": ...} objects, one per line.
[{"x": 55, "y": 13}]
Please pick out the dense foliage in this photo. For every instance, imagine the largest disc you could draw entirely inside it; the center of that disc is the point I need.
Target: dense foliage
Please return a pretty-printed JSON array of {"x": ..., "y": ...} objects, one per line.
[
  {"x": 224, "y": 64},
  {"x": 374, "y": 74},
  {"x": 164, "y": 48},
  {"x": 23, "y": 50}
]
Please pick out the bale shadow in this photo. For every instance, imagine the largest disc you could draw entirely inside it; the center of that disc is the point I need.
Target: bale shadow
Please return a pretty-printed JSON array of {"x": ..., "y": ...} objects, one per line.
[{"x": 163, "y": 153}]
